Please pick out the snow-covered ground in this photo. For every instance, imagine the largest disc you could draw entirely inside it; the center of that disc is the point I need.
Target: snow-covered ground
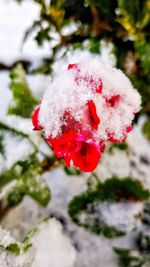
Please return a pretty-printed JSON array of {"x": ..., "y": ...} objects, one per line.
[{"x": 60, "y": 242}]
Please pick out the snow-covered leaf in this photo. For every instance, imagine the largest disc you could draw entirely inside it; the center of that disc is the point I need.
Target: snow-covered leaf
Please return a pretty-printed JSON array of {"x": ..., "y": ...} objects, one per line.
[
  {"x": 19, "y": 162},
  {"x": 97, "y": 208},
  {"x": 23, "y": 102}
]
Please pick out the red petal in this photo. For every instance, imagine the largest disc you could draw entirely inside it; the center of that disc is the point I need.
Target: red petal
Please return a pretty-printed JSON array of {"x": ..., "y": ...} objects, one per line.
[
  {"x": 99, "y": 88},
  {"x": 73, "y": 66},
  {"x": 113, "y": 100},
  {"x": 102, "y": 146},
  {"x": 94, "y": 119},
  {"x": 129, "y": 128},
  {"x": 87, "y": 158},
  {"x": 112, "y": 139},
  {"x": 67, "y": 161},
  {"x": 65, "y": 144},
  {"x": 35, "y": 120}
]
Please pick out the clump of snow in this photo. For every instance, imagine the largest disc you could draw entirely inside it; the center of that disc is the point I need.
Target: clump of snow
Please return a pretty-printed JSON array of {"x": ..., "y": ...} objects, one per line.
[
  {"x": 107, "y": 54},
  {"x": 53, "y": 247},
  {"x": 38, "y": 83},
  {"x": 8, "y": 259},
  {"x": 116, "y": 215},
  {"x": 72, "y": 89},
  {"x": 6, "y": 238}
]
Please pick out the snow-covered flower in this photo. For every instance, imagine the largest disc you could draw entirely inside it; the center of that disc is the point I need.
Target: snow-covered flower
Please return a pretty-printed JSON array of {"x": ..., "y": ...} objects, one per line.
[{"x": 86, "y": 107}]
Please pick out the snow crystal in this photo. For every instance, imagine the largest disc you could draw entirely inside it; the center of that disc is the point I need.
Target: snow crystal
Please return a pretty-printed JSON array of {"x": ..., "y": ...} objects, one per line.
[{"x": 66, "y": 93}]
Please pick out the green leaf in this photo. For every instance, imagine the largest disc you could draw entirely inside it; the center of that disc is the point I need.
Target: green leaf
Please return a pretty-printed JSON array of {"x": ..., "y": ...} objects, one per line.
[
  {"x": 72, "y": 171},
  {"x": 13, "y": 248},
  {"x": 42, "y": 36},
  {"x": 120, "y": 146},
  {"x": 25, "y": 171},
  {"x": 142, "y": 50},
  {"x": 143, "y": 241},
  {"x": 136, "y": 257},
  {"x": 146, "y": 214},
  {"x": 127, "y": 258},
  {"x": 134, "y": 16},
  {"x": 94, "y": 46},
  {"x": 1, "y": 145},
  {"x": 23, "y": 102},
  {"x": 146, "y": 129}
]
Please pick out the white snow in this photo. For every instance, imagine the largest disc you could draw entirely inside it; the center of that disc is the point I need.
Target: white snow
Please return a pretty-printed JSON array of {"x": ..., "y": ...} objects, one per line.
[
  {"x": 6, "y": 238},
  {"x": 8, "y": 259},
  {"x": 74, "y": 94},
  {"x": 15, "y": 18},
  {"x": 5, "y": 94},
  {"x": 123, "y": 216},
  {"x": 15, "y": 148},
  {"x": 50, "y": 247},
  {"x": 74, "y": 55},
  {"x": 53, "y": 247},
  {"x": 109, "y": 165}
]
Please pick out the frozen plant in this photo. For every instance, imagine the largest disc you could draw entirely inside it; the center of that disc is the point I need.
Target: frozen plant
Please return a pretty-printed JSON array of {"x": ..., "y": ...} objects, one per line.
[{"x": 85, "y": 108}]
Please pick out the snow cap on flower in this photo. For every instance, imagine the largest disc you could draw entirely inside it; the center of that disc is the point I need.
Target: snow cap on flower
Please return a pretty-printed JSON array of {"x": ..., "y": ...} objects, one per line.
[{"x": 87, "y": 106}]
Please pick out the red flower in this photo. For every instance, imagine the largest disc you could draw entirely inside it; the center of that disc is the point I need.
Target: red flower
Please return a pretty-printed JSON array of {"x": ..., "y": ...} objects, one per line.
[
  {"x": 87, "y": 157},
  {"x": 94, "y": 119},
  {"x": 35, "y": 120},
  {"x": 74, "y": 147}
]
